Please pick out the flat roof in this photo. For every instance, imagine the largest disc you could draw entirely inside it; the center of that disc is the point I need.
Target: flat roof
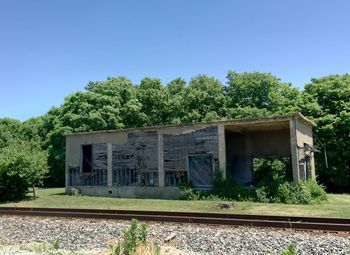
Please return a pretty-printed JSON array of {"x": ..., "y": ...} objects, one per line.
[{"x": 238, "y": 122}]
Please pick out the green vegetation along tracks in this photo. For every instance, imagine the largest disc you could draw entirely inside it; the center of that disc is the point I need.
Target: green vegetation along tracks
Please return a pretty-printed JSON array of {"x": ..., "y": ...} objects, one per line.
[{"x": 263, "y": 221}]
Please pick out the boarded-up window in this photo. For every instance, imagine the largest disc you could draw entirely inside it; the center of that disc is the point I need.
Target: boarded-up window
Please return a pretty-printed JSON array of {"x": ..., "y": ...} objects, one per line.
[
  {"x": 151, "y": 179},
  {"x": 136, "y": 163},
  {"x": 99, "y": 164},
  {"x": 175, "y": 178},
  {"x": 201, "y": 170},
  {"x": 74, "y": 176}
]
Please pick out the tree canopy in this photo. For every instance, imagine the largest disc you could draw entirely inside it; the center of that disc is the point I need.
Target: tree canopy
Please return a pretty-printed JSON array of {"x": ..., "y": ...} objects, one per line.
[
  {"x": 23, "y": 162},
  {"x": 332, "y": 95}
]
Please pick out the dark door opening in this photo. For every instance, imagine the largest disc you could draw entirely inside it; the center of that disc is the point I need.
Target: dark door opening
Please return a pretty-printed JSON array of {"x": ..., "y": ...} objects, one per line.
[
  {"x": 87, "y": 158},
  {"x": 201, "y": 170}
]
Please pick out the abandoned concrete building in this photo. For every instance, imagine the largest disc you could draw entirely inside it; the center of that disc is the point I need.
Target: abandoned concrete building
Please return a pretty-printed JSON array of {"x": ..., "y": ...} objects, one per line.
[{"x": 152, "y": 162}]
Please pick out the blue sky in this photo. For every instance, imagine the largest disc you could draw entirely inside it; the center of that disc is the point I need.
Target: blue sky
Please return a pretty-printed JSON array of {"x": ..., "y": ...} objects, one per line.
[{"x": 49, "y": 49}]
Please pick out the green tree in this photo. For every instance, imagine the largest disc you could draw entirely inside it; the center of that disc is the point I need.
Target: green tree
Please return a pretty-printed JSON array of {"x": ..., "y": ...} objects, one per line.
[
  {"x": 10, "y": 130},
  {"x": 204, "y": 100},
  {"x": 153, "y": 98},
  {"x": 332, "y": 134},
  {"x": 21, "y": 167},
  {"x": 176, "y": 90},
  {"x": 260, "y": 94},
  {"x": 23, "y": 163}
]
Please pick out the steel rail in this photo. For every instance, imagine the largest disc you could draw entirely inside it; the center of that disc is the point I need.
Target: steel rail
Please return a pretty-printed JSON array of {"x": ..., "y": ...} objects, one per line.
[{"x": 264, "y": 221}]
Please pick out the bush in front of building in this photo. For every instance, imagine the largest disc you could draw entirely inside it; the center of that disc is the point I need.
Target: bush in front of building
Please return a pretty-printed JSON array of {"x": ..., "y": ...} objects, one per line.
[
  {"x": 228, "y": 189},
  {"x": 188, "y": 193},
  {"x": 305, "y": 192}
]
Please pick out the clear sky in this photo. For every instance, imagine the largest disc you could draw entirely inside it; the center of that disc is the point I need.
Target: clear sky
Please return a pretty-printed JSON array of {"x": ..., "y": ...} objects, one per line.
[{"x": 49, "y": 49}]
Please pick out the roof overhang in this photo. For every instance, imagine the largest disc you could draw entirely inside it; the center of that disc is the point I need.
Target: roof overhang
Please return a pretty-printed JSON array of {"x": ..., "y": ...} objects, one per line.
[{"x": 265, "y": 123}]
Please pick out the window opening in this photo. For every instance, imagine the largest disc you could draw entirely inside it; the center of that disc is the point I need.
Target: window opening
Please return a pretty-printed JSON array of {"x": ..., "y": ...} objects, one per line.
[{"x": 87, "y": 158}]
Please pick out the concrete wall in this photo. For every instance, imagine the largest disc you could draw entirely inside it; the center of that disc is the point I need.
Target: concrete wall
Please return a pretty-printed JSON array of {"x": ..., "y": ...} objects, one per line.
[
  {"x": 303, "y": 137},
  {"x": 155, "y": 151},
  {"x": 270, "y": 143},
  {"x": 130, "y": 192},
  {"x": 301, "y": 134}
]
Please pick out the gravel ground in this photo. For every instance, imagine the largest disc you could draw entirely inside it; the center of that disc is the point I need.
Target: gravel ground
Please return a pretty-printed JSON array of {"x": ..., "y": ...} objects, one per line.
[{"x": 76, "y": 234}]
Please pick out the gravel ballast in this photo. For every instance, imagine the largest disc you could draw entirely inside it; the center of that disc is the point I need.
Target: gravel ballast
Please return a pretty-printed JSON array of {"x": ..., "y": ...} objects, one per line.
[{"x": 77, "y": 234}]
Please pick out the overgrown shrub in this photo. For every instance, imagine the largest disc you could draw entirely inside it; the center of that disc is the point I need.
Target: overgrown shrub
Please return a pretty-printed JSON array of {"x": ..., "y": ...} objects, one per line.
[
  {"x": 290, "y": 250},
  {"x": 317, "y": 191},
  {"x": 12, "y": 186},
  {"x": 290, "y": 194},
  {"x": 21, "y": 167},
  {"x": 135, "y": 242},
  {"x": 224, "y": 189},
  {"x": 305, "y": 192},
  {"x": 229, "y": 189},
  {"x": 261, "y": 195},
  {"x": 188, "y": 193}
]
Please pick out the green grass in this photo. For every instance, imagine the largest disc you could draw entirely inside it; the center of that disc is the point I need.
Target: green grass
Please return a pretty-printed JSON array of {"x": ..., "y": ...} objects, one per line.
[{"x": 337, "y": 205}]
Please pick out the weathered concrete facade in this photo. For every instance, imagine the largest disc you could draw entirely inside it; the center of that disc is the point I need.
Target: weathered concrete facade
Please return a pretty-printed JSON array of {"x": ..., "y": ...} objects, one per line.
[{"x": 152, "y": 162}]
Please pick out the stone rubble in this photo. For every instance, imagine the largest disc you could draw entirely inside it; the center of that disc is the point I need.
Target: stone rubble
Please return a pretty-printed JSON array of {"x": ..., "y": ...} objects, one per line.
[{"x": 77, "y": 234}]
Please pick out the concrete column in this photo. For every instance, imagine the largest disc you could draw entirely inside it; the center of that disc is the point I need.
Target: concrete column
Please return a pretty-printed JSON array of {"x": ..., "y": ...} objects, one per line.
[
  {"x": 294, "y": 151},
  {"x": 312, "y": 163},
  {"x": 67, "y": 164},
  {"x": 109, "y": 165},
  {"x": 161, "y": 174},
  {"x": 248, "y": 160},
  {"x": 304, "y": 136},
  {"x": 222, "y": 150}
]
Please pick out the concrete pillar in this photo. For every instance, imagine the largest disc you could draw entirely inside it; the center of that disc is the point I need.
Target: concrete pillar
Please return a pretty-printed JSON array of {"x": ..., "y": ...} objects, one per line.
[
  {"x": 312, "y": 164},
  {"x": 248, "y": 172},
  {"x": 304, "y": 136},
  {"x": 67, "y": 164},
  {"x": 222, "y": 150},
  {"x": 294, "y": 151},
  {"x": 109, "y": 165},
  {"x": 161, "y": 174}
]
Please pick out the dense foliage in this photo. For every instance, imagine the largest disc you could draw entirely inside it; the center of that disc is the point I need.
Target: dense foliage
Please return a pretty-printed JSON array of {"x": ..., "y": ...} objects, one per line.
[
  {"x": 330, "y": 99},
  {"x": 118, "y": 103},
  {"x": 23, "y": 163},
  {"x": 273, "y": 191}
]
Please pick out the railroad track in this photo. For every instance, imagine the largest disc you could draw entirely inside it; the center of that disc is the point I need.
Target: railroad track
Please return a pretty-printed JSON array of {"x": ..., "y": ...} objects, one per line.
[{"x": 261, "y": 221}]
